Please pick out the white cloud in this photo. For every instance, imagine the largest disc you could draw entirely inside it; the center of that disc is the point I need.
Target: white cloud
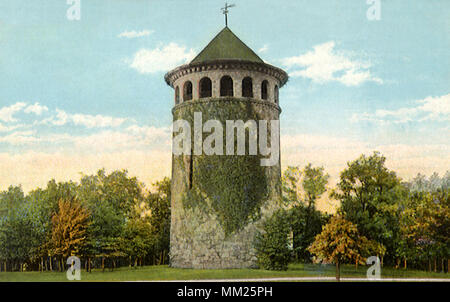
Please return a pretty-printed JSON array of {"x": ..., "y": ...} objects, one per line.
[
  {"x": 161, "y": 58},
  {"x": 4, "y": 128},
  {"x": 36, "y": 109},
  {"x": 19, "y": 138},
  {"x": 86, "y": 120},
  {"x": 6, "y": 113},
  {"x": 264, "y": 49},
  {"x": 323, "y": 64},
  {"x": 97, "y": 121},
  {"x": 135, "y": 34},
  {"x": 430, "y": 108}
]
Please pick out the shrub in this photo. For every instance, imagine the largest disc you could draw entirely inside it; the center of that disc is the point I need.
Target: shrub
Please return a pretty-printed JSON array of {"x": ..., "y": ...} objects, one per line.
[{"x": 272, "y": 243}]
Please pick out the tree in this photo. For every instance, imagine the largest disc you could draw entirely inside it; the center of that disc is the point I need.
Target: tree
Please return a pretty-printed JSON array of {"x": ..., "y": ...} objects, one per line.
[
  {"x": 427, "y": 233},
  {"x": 112, "y": 200},
  {"x": 369, "y": 194},
  {"x": 301, "y": 190},
  {"x": 159, "y": 219},
  {"x": 272, "y": 244},
  {"x": 340, "y": 242},
  {"x": 11, "y": 199},
  {"x": 136, "y": 241},
  {"x": 69, "y": 226}
]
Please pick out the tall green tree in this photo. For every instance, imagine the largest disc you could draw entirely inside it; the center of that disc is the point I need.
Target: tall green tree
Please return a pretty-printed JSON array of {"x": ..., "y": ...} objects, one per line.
[
  {"x": 112, "y": 200},
  {"x": 369, "y": 193},
  {"x": 158, "y": 203},
  {"x": 301, "y": 190}
]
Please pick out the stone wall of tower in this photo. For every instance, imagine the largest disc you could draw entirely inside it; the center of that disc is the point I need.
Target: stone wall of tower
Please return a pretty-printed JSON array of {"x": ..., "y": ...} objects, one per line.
[
  {"x": 198, "y": 240},
  {"x": 220, "y": 202}
]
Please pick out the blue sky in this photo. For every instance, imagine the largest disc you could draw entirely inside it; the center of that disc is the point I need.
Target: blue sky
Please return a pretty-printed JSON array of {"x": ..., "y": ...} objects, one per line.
[{"x": 79, "y": 95}]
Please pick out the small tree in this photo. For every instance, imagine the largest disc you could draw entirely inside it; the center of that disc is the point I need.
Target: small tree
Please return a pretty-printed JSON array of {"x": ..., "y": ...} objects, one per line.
[
  {"x": 339, "y": 243},
  {"x": 69, "y": 226},
  {"x": 272, "y": 244}
]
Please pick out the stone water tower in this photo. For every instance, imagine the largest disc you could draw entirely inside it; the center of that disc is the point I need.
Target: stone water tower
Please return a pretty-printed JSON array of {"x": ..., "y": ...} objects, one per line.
[{"x": 219, "y": 200}]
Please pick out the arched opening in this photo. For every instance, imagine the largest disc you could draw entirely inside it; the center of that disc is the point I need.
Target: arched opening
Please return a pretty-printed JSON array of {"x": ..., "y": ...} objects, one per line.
[
  {"x": 247, "y": 87},
  {"x": 187, "y": 91},
  {"x": 276, "y": 94},
  {"x": 264, "y": 86},
  {"x": 205, "y": 88},
  {"x": 177, "y": 95},
  {"x": 226, "y": 86}
]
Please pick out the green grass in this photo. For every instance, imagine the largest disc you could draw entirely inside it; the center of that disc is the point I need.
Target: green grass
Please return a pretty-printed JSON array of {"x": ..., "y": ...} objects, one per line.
[{"x": 166, "y": 273}]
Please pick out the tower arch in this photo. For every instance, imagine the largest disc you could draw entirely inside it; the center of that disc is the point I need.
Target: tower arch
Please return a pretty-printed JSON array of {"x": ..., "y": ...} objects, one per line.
[
  {"x": 226, "y": 86},
  {"x": 187, "y": 91},
  {"x": 205, "y": 88},
  {"x": 247, "y": 87}
]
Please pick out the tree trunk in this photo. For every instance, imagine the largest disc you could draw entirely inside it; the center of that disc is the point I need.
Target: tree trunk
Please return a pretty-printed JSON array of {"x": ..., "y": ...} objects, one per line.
[
  {"x": 338, "y": 271},
  {"x": 51, "y": 266},
  {"x": 103, "y": 264},
  {"x": 435, "y": 265},
  {"x": 405, "y": 264},
  {"x": 429, "y": 265}
]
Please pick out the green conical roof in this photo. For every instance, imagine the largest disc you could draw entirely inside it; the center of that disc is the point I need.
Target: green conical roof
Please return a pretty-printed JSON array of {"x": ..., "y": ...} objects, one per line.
[{"x": 226, "y": 45}]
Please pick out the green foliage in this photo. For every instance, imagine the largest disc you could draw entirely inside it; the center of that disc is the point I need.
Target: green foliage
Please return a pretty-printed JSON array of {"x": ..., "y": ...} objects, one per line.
[
  {"x": 36, "y": 227},
  {"x": 136, "y": 238},
  {"x": 369, "y": 194},
  {"x": 305, "y": 223},
  {"x": 233, "y": 188},
  {"x": 272, "y": 244},
  {"x": 20, "y": 234},
  {"x": 159, "y": 219},
  {"x": 236, "y": 187},
  {"x": 301, "y": 189},
  {"x": 425, "y": 226},
  {"x": 10, "y": 199}
]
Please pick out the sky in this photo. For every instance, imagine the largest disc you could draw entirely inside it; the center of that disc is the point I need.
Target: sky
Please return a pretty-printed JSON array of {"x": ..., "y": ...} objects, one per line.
[{"x": 77, "y": 95}]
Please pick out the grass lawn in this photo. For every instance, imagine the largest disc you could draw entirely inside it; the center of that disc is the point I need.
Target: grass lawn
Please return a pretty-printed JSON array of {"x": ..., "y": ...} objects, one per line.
[{"x": 166, "y": 273}]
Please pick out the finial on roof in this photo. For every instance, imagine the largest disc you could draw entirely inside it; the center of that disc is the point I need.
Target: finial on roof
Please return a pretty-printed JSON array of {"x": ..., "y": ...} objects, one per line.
[{"x": 226, "y": 11}]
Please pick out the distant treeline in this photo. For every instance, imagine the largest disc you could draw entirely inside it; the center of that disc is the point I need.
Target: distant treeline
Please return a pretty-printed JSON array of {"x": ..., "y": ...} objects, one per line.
[{"x": 107, "y": 220}]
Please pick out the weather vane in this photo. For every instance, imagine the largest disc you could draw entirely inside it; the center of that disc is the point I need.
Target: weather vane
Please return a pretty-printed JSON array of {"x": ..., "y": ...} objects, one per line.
[{"x": 225, "y": 12}]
